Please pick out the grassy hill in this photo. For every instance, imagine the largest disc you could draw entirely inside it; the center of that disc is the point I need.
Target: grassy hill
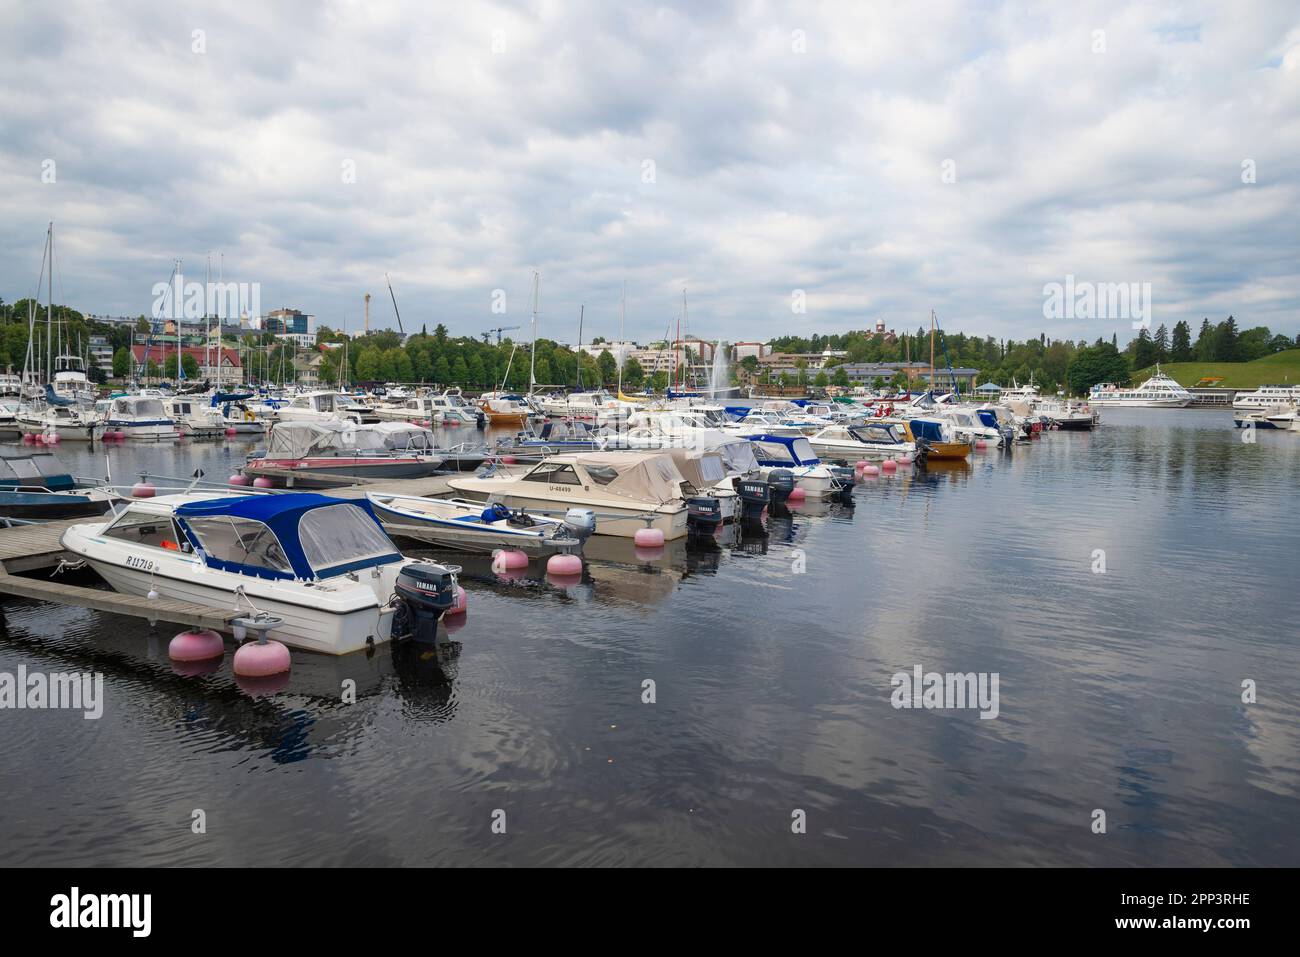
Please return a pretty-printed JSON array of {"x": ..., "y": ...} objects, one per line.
[{"x": 1281, "y": 368}]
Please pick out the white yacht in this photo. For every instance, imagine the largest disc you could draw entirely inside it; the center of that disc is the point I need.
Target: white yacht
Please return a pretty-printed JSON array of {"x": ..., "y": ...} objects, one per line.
[
  {"x": 322, "y": 565},
  {"x": 56, "y": 416},
  {"x": 874, "y": 438},
  {"x": 600, "y": 407},
  {"x": 1158, "y": 392},
  {"x": 140, "y": 417},
  {"x": 10, "y": 385},
  {"x": 322, "y": 406},
  {"x": 193, "y": 417},
  {"x": 1266, "y": 397}
]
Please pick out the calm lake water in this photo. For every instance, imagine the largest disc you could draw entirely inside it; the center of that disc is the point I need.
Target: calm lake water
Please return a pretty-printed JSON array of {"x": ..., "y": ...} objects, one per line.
[{"x": 771, "y": 658}]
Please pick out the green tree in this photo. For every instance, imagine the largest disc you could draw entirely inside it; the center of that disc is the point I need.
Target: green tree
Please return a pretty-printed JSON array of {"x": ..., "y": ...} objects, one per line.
[
  {"x": 659, "y": 381},
  {"x": 822, "y": 380},
  {"x": 608, "y": 367},
  {"x": 1143, "y": 350},
  {"x": 1205, "y": 344},
  {"x": 1161, "y": 340},
  {"x": 121, "y": 363},
  {"x": 1096, "y": 364},
  {"x": 1225, "y": 341},
  {"x": 1180, "y": 347},
  {"x": 633, "y": 374},
  {"x": 841, "y": 377}
]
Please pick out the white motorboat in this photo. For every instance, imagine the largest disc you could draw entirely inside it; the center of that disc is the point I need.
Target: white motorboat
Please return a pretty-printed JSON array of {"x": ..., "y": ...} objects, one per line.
[
  {"x": 1158, "y": 392},
  {"x": 9, "y": 409},
  {"x": 872, "y": 439},
  {"x": 794, "y": 454},
  {"x": 140, "y": 417},
  {"x": 461, "y": 523},
  {"x": 70, "y": 422},
  {"x": 322, "y": 565},
  {"x": 321, "y": 406},
  {"x": 599, "y": 407},
  {"x": 193, "y": 418},
  {"x": 627, "y": 491}
]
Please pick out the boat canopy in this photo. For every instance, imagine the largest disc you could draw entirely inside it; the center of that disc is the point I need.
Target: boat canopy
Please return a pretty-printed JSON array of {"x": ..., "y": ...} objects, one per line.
[
  {"x": 931, "y": 430},
  {"x": 737, "y": 453},
  {"x": 296, "y": 535},
  {"x": 38, "y": 469},
  {"x": 878, "y": 433},
  {"x": 301, "y": 439},
  {"x": 783, "y": 450},
  {"x": 649, "y": 476},
  {"x": 702, "y": 469}
]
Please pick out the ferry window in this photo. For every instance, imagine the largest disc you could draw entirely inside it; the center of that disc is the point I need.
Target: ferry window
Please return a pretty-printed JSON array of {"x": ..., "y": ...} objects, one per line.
[
  {"x": 144, "y": 528},
  {"x": 555, "y": 474},
  {"x": 241, "y": 541}
]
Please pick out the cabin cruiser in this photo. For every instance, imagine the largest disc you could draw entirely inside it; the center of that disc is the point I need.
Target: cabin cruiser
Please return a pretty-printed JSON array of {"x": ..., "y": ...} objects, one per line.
[
  {"x": 9, "y": 409},
  {"x": 462, "y": 523},
  {"x": 10, "y": 385},
  {"x": 555, "y": 436},
  {"x": 600, "y": 407},
  {"x": 505, "y": 408},
  {"x": 437, "y": 409},
  {"x": 71, "y": 382},
  {"x": 1279, "y": 416},
  {"x": 627, "y": 491},
  {"x": 140, "y": 417},
  {"x": 1266, "y": 397},
  {"x": 36, "y": 485},
  {"x": 878, "y": 437},
  {"x": 1158, "y": 392},
  {"x": 322, "y": 565},
  {"x": 237, "y": 414},
  {"x": 194, "y": 419},
  {"x": 937, "y": 439},
  {"x": 793, "y": 453},
  {"x": 970, "y": 425},
  {"x": 381, "y": 450},
  {"x": 1062, "y": 414},
  {"x": 321, "y": 406},
  {"x": 62, "y": 417}
]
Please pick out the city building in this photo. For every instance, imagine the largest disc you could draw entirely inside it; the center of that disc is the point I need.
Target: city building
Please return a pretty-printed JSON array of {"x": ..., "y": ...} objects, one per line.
[
  {"x": 291, "y": 324},
  {"x": 213, "y": 363},
  {"x": 101, "y": 354}
]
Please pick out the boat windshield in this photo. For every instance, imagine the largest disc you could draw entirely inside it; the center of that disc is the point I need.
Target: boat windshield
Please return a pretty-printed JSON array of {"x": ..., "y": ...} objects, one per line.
[
  {"x": 239, "y": 541},
  {"x": 342, "y": 534}
]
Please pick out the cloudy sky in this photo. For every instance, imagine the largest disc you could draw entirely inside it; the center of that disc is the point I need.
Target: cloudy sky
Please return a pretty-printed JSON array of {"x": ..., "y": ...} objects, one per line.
[{"x": 883, "y": 158}]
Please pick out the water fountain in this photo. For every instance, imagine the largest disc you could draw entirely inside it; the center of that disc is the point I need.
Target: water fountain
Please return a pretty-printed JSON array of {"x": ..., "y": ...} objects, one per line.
[{"x": 719, "y": 380}]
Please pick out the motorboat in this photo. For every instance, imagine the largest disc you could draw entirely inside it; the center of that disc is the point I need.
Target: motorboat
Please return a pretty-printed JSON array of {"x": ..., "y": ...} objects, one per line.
[
  {"x": 1066, "y": 415},
  {"x": 936, "y": 439},
  {"x": 140, "y": 417},
  {"x": 71, "y": 382},
  {"x": 1157, "y": 392},
  {"x": 505, "y": 408},
  {"x": 1279, "y": 416},
  {"x": 456, "y": 411},
  {"x": 462, "y": 523},
  {"x": 324, "y": 566},
  {"x": 9, "y": 409},
  {"x": 794, "y": 454},
  {"x": 627, "y": 491},
  {"x": 60, "y": 416},
  {"x": 10, "y": 385},
  {"x": 872, "y": 439},
  {"x": 194, "y": 419},
  {"x": 599, "y": 407},
  {"x": 345, "y": 449},
  {"x": 555, "y": 436},
  {"x": 319, "y": 406},
  {"x": 36, "y": 485},
  {"x": 706, "y": 475}
]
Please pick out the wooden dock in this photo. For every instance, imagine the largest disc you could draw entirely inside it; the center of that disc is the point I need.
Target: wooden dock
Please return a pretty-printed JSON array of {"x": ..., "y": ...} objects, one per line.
[{"x": 39, "y": 547}]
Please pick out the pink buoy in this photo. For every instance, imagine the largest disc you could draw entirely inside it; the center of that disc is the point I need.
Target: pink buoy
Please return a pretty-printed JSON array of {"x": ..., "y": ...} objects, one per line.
[
  {"x": 649, "y": 538},
  {"x": 118, "y": 434},
  {"x": 231, "y": 433},
  {"x": 196, "y": 646},
  {"x": 39, "y": 438},
  {"x": 238, "y": 479},
  {"x": 509, "y": 460},
  {"x": 906, "y": 460},
  {"x": 981, "y": 445},
  {"x": 52, "y": 438},
  {"x": 869, "y": 470},
  {"x": 509, "y": 559},
  {"x": 889, "y": 465},
  {"x": 564, "y": 565},
  {"x": 263, "y": 482},
  {"x": 861, "y": 464},
  {"x": 28, "y": 438},
  {"x": 798, "y": 495},
  {"x": 460, "y": 605},
  {"x": 143, "y": 490},
  {"x": 261, "y": 660}
]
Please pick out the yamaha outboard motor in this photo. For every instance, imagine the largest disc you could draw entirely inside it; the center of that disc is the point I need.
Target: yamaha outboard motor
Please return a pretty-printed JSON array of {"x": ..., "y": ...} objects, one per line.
[
  {"x": 842, "y": 490},
  {"x": 425, "y": 591},
  {"x": 782, "y": 483},
  {"x": 704, "y": 514},
  {"x": 581, "y": 522},
  {"x": 754, "y": 495}
]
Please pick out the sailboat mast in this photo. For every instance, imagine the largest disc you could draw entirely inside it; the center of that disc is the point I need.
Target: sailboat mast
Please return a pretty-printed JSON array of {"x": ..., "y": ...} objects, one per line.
[
  {"x": 49, "y": 311},
  {"x": 581, "y": 309},
  {"x": 622, "y": 314},
  {"x": 532, "y": 362},
  {"x": 932, "y": 349}
]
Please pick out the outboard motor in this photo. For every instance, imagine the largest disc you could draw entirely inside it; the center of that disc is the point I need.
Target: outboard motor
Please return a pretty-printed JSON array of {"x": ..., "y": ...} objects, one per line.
[
  {"x": 754, "y": 495},
  {"x": 704, "y": 514},
  {"x": 782, "y": 483},
  {"x": 425, "y": 591},
  {"x": 842, "y": 490},
  {"x": 581, "y": 522}
]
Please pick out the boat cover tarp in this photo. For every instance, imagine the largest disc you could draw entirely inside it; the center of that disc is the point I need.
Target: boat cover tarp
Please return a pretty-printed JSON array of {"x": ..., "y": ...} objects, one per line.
[
  {"x": 649, "y": 476},
  {"x": 701, "y": 469},
  {"x": 300, "y": 439}
]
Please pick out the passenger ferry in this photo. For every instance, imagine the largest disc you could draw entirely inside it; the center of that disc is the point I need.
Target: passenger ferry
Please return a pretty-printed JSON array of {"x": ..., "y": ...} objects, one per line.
[
  {"x": 1266, "y": 397},
  {"x": 1158, "y": 392}
]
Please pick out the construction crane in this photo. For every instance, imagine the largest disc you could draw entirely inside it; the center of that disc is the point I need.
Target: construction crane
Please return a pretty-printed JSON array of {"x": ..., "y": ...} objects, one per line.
[{"x": 500, "y": 329}]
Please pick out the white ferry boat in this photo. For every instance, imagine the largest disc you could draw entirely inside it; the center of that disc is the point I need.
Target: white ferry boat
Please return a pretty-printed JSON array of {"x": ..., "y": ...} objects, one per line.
[
  {"x": 1266, "y": 397},
  {"x": 1158, "y": 392}
]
